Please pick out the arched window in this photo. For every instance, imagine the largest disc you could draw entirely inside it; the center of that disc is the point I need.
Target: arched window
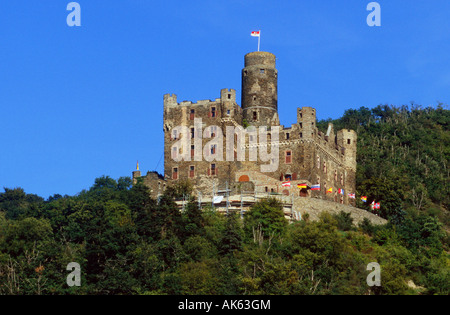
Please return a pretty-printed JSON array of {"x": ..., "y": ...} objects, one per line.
[
  {"x": 244, "y": 178},
  {"x": 303, "y": 192}
]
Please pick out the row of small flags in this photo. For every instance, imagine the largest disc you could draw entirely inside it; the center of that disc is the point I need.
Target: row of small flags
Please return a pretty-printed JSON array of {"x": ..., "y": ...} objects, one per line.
[{"x": 374, "y": 205}]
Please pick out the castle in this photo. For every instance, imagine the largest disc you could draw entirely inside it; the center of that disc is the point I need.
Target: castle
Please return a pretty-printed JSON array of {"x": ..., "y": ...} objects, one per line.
[{"x": 195, "y": 135}]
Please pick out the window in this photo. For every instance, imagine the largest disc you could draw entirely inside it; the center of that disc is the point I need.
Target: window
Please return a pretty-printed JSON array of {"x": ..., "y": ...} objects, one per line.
[
  {"x": 301, "y": 115},
  {"x": 192, "y": 114},
  {"x": 213, "y": 112},
  {"x": 301, "y": 125},
  {"x": 213, "y": 131},
  {"x": 301, "y": 135},
  {"x": 324, "y": 167},
  {"x": 342, "y": 179},
  {"x": 213, "y": 170},
  {"x": 192, "y": 133},
  {"x": 213, "y": 148},
  {"x": 255, "y": 116},
  {"x": 174, "y": 152},
  {"x": 318, "y": 162},
  {"x": 174, "y": 134},
  {"x": 228, "y": 112},
  {"x": 335, "y": 175},
  {"x": 192, "y": 151},
  {"x": 262, "y": 71},
  {"x": 287, "y": 135},
  {"x": 191, "y": 171},
  {"x": 229, "y": 96},
  {"x": 175, "y": 173},
  {"x": 267, "y": 189},
  {"x": 244, "y": 178},
  {"x": 288, "y": 157},
  {"x": 349, "y": 141},
  {"x": 288, "y": 177}
]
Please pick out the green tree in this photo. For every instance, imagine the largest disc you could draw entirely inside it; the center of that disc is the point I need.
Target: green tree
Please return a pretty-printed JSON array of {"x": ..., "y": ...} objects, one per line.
[{"x": 265, "y": 218}]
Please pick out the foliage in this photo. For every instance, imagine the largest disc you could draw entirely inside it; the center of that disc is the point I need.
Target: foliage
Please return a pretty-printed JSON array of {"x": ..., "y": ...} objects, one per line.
[{"x": 128, "y": 243}]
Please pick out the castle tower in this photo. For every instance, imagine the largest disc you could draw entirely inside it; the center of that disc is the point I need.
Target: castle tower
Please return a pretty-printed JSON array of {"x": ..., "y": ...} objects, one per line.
[
  {"x": 306, "y": 119},
  {"x": 260, "y": 89},
  {"x": 136, "y": 173},
  {"x": 347, "y": 138}
]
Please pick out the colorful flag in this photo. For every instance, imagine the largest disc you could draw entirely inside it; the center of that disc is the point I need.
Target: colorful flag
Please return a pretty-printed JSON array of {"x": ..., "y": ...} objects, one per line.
[
  {"x": 330, "y": 190},
  {"x": 286, "y": 184},
  {"x": 315, "y": 187},
  {"x": 341, "y": 191},
  {"x": 376, "y": 205},
  {"x": 301, "y": 186},
  {"x": 351, "y": 196},
  {"x": 255, "y": 34},
  {"x": 364, "y": 199}
]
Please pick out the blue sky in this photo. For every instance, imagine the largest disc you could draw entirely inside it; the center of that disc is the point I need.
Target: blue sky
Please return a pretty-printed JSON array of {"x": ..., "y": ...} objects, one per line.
[{"x": 77, "y": 103}]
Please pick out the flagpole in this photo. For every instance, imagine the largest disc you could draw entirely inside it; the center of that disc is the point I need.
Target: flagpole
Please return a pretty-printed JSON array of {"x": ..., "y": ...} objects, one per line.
[{"x": 259, "y": 39}]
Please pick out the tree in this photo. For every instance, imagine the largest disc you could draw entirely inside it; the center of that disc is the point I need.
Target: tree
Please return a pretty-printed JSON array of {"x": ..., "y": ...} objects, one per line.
[{"x": 265, "y": 218}]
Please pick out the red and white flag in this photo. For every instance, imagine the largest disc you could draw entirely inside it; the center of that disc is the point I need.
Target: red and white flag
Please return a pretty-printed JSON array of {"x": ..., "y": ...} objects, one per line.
[
  {"x": 255, "y": 34},
  {"x": 286, "y": 184}
]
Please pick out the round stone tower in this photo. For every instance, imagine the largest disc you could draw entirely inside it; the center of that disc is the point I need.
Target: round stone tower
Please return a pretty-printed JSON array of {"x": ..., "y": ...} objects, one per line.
[{"x": 259, "y": 89}]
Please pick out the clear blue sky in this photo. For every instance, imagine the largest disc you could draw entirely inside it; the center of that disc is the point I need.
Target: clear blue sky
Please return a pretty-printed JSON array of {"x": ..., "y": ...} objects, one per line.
[{"x": 77, "y": 103}]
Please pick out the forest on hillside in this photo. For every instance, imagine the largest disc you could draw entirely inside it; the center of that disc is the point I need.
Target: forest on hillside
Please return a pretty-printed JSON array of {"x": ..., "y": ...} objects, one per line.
[{"x": 128, "y": 243}]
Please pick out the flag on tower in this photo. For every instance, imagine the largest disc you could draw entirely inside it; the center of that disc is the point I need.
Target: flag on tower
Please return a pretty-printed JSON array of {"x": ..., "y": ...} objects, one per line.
[
  {"x": 341, "y": 191},
  {"x": 364, "y": 198},
  {"x": 286, "y": 184},
  {"x": 315, "y": 187},
  {"x": 351, "y": 196},
  {"x": 330, "y": 190},
  {"x": 257, "y": 34},
  {"x": 137, "y": 166},
  {"x": 301, "y": 186}
]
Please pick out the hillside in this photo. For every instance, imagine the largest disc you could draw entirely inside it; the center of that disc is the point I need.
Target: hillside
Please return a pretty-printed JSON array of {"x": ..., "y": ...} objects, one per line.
[
  {"x": 128, "y": 243},
  {"x": 403, "y": 156}
]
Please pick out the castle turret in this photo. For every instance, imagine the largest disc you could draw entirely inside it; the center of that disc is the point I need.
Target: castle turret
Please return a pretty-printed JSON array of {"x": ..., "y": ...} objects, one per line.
[
  {"x": 259, "y": 89},
  {"x": 136, "y": 173},
  {"x": 306, "y": 119},
  {"x": 347, "y": 138}
]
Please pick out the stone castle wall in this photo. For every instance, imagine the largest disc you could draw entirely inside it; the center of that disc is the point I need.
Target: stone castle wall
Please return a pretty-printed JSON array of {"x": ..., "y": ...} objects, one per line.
[{"x": 304, "y": 153}]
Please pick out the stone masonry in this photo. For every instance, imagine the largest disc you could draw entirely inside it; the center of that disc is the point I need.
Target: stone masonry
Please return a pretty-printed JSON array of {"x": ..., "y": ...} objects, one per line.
[{"x": 199, "y": 149}]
